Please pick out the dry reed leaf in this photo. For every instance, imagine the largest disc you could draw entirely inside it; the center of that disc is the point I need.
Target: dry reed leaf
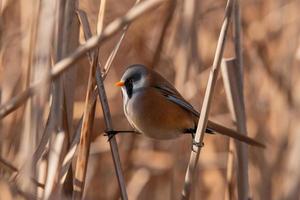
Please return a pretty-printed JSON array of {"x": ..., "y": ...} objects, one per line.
[{"x": 84, "y": 142}]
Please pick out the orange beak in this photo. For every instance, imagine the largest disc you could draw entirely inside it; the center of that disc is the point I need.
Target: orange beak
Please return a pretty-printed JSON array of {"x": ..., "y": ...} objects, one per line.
[{"x": 119, "y": 84}]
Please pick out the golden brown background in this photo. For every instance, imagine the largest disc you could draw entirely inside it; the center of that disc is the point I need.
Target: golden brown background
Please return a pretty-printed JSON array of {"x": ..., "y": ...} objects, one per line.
[{"x": 155, "y": 169}]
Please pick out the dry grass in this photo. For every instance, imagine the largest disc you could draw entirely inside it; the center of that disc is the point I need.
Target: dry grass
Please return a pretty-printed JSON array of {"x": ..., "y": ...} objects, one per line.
[{"x": 58, "y": 57}]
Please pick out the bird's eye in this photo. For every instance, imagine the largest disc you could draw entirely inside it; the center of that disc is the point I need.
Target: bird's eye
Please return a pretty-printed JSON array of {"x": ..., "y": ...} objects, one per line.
[
  {"x": 129, "y": 87},
  {"x": 129, "y": 82}
]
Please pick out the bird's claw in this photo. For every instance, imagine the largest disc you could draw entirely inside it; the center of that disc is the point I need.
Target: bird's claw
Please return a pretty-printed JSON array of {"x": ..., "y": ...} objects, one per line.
[
  {"x": 197, "y": 144},
  {"x": 110, "y": 134}
]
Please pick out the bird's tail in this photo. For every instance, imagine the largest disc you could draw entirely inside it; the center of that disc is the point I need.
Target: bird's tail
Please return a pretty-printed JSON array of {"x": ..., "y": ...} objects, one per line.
[{"x": 214, "y": 127}]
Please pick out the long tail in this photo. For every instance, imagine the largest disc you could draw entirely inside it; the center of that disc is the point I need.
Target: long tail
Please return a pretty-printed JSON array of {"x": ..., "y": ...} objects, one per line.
[{"x": 214, "y": 127}]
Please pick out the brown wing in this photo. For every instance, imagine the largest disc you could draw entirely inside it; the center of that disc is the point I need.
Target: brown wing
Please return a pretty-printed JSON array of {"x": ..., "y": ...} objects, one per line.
[{"x": 172, "y": 95}]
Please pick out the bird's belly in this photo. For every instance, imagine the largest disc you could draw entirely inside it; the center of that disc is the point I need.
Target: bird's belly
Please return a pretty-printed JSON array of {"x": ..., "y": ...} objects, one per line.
[
  {"x": 153, "y": 130},
  {"x": 159, "y": 133},
  {"x": 157, "y": 118}
]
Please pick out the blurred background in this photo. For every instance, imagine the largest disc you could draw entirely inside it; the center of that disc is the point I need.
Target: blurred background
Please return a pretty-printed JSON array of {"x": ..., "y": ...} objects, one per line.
[{"x": 178, "y": 39}]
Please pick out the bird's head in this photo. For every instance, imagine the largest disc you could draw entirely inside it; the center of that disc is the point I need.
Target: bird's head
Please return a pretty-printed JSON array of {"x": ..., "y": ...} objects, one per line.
[{"x": 134, "y": 78}]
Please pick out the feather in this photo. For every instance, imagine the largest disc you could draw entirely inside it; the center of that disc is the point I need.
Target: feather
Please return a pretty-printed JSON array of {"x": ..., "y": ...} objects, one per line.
[{"x": 173, "y": 95}]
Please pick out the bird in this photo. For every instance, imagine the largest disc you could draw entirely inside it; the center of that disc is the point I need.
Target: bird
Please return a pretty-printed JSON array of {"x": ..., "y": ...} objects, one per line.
[{"x": 154, "y": 108}]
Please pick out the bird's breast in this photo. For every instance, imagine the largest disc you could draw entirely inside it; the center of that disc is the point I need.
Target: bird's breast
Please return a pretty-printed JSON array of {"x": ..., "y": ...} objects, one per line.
[{"x": 150, "y": 113}]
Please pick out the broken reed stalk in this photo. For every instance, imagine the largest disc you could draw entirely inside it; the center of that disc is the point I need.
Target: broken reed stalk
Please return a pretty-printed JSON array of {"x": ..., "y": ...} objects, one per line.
[
  {"x": 232, "y": 81},
  {"x": 229, "y": 192},
  {"x": 206, "y": 103},
  {"x": 231, "y": 75},
  {"x": 65, "y": 63}
]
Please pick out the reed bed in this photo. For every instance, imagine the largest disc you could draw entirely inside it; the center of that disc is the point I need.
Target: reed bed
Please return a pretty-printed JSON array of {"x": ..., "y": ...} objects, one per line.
[{"x": 236, "y": 61}]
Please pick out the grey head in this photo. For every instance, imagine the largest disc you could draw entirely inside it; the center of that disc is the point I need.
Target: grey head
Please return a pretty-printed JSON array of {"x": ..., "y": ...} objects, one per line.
[{"x": 134, "y": 78}]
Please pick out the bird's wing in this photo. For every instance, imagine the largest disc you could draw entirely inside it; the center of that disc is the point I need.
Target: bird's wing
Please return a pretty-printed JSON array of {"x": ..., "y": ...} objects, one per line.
[{"x": 172, "y": 95}]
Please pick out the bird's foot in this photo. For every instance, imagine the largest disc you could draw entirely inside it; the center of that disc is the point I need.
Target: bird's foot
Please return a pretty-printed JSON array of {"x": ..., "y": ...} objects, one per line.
[
  {"x": 110, "y": 134},
  {"x": 197, "y": 144}
]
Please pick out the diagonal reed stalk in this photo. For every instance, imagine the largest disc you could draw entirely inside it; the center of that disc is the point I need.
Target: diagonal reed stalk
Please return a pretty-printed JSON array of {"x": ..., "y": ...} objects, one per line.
[
  {"x": 102, "y": 94},
  {"x": 105, "y": 106},
  {"x": 101, "y": 89},
  {"x": 206, "y": 103},
  {"x": 67, "y": 62},
  {"x": 68, "y": 158}
]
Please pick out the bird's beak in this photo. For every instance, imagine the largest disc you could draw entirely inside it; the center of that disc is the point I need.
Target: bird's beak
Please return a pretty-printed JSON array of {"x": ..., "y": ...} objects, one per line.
[{"x": 119, "y": 84}]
